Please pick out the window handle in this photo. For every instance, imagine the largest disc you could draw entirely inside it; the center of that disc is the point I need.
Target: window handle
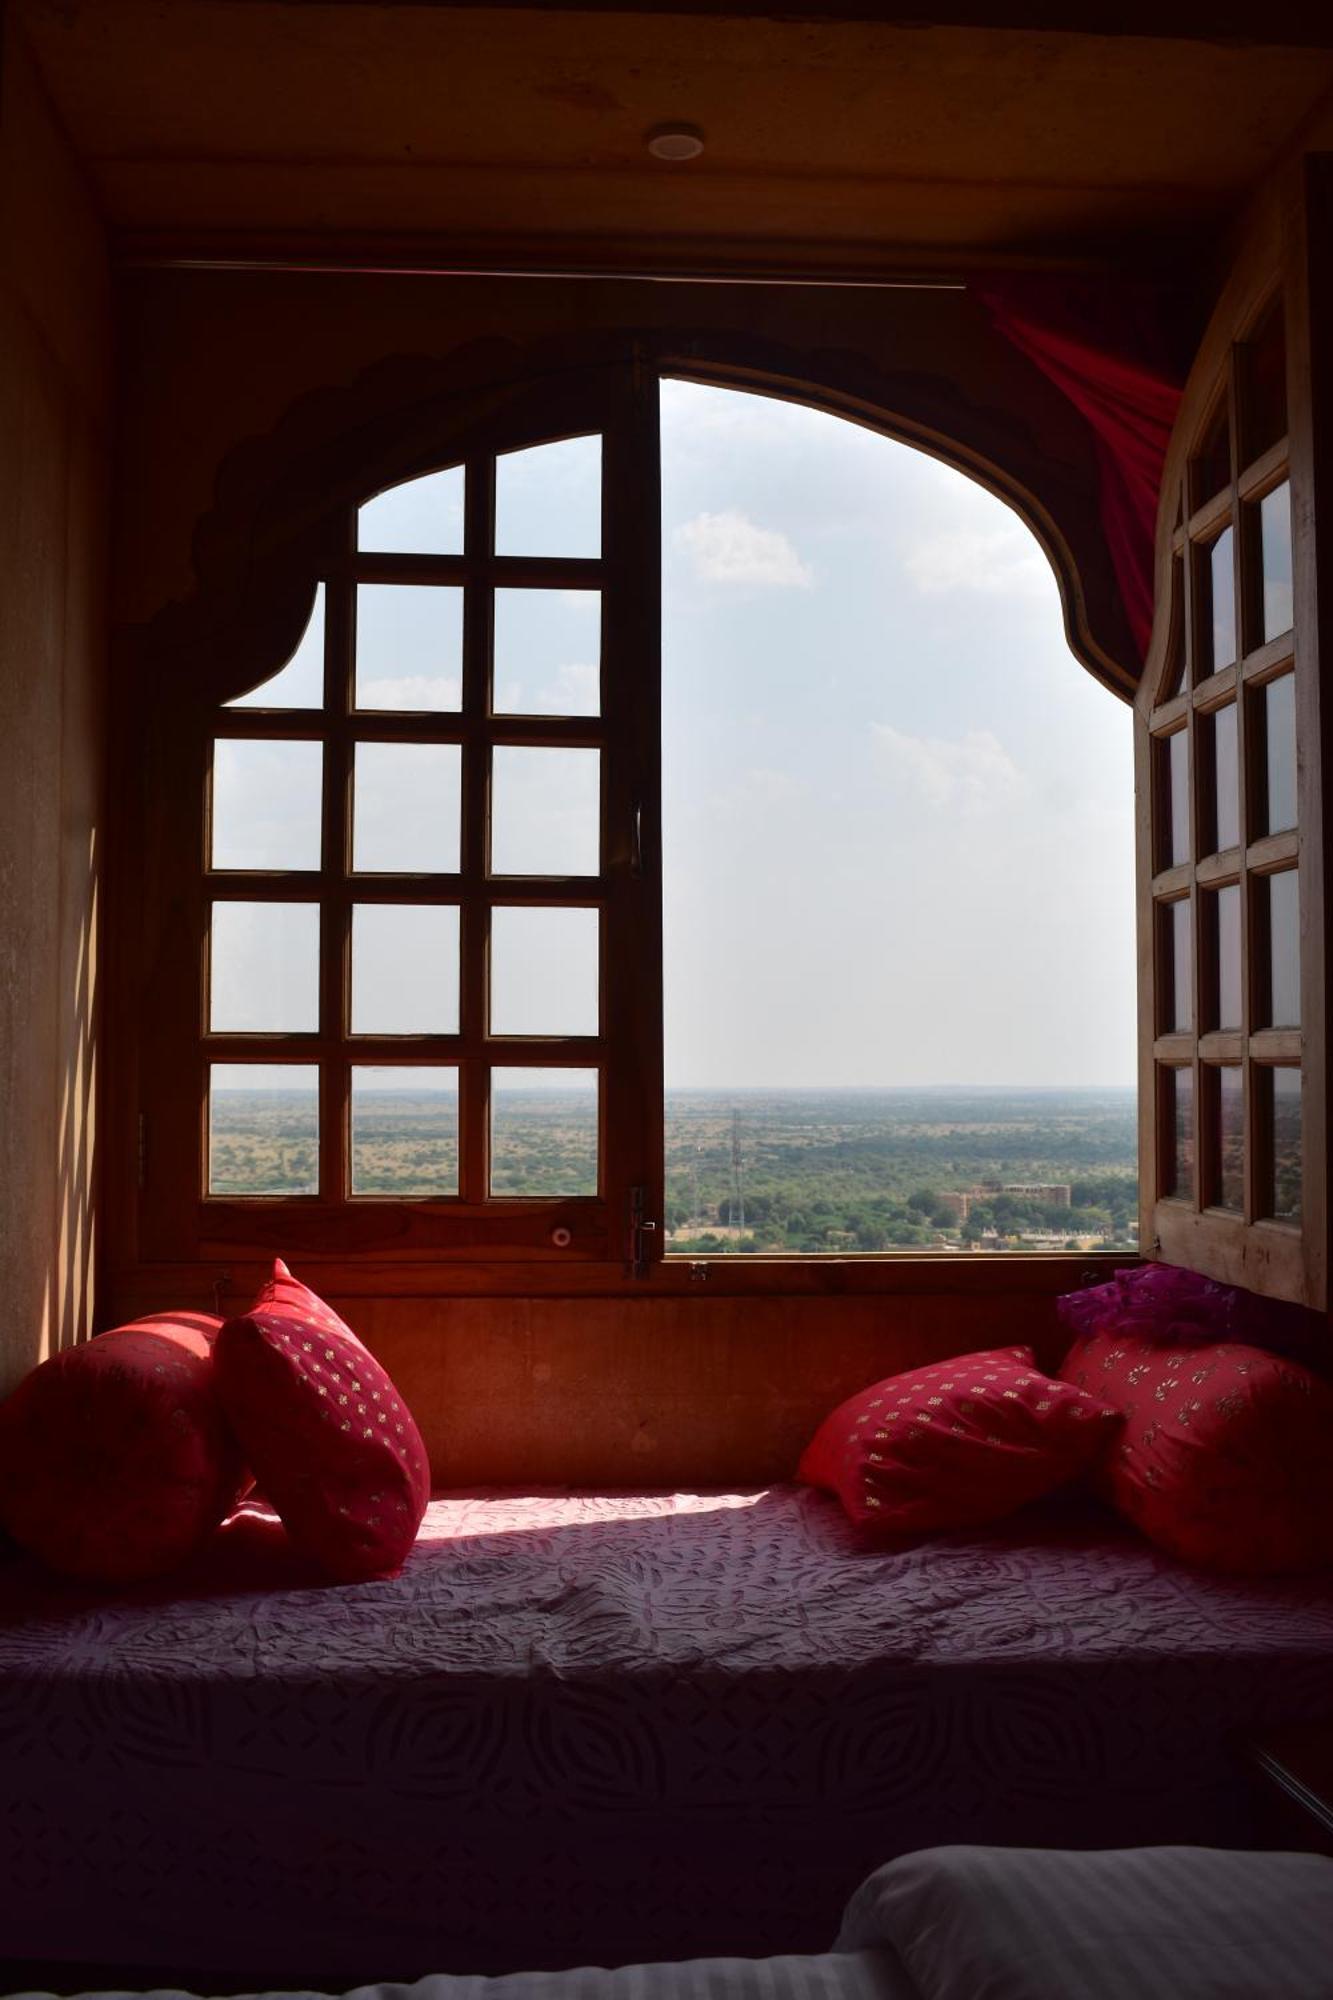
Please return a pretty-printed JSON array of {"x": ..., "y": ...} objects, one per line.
[{"x": 636, "y": 839}]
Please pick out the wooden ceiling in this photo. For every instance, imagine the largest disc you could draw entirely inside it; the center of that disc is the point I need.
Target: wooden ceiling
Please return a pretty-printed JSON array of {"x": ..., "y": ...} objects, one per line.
[{"x": 238, "y": 130}]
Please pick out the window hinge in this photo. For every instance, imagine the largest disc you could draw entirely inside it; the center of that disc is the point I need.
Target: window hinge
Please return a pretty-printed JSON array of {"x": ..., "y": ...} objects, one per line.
[{"x": 640, "y": 1229}]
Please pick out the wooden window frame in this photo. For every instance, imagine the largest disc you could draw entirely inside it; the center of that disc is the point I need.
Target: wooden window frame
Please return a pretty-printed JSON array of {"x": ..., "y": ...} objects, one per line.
[
  {"x": 1247, "y": 1246},
  {"x": 361, "y": 1245}
]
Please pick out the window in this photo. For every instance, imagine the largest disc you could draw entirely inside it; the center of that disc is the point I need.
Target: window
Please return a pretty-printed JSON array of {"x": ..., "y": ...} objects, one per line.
[
  {"x": 1230, "y": 1116},
  {"x": 421, "y": 886},
  {"x": 423, "y": 895}
]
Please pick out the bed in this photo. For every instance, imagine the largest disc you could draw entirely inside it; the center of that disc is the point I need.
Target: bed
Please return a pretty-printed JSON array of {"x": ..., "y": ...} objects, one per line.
[{"x": 607, "y": 1728}]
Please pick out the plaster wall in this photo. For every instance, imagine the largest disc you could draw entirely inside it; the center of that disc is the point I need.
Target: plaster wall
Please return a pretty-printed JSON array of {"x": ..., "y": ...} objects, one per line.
[{"x": 54, "y": 410}]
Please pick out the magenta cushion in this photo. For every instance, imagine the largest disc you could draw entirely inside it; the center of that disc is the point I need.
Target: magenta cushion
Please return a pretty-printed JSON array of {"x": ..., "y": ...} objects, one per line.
[
  {"x": 960, "y": 1442},
  {"x": 116, "y": 1461},
  {"x": 332, "y": 1443}
]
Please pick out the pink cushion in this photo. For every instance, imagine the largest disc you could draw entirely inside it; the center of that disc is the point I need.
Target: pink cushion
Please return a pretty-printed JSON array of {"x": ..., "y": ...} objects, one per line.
[
  {"x": 1164, "y": 1303},
  {"x": 115, "y": 1459},
  {"x": 1225, "y": 1455},
  {"x": 332, "y": 1443},
  {"x": 959, "y": 1442}
]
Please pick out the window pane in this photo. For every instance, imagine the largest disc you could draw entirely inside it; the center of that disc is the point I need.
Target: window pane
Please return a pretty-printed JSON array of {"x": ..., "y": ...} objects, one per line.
[
  {"x": 407, "y": 808},
  {"x": 1266, "y": 384},
  {"x": 421, "y": 517},
  {"x": 1282, "y": 893},
  {"x": 1222, "y": 602},
  {"x": 1212, "y": 466},
  {"x": 1173, "y": 799},
  {"x": 1177, "y": 963},
  {"x": 1219, "y": 733},
  {"x": 1278, "y": 736},
  {"x": 544, "y": 972},
  {"x": 1226, "y": 944},
  {"x": 548, "y": 500},
  {"x": 1226, "y": 1173},
  {"x": 1279, "y": 1096},
  {"x": 543, "y": 1132},
  {"x": 264, "y": 967},
  {"x": 404, "y": 969},
  {"x": 545, "y": 811},
  {"x": 300, "y": 684},
  {"x": 1275, "y": 540},
  {"x": 409, "y": 647},
  {"x": 548, "y": 649},
  {"x": 268, "y": 802},
  {"x": 263, "y": 1128},
  {"x": 1178, "y": 1120},
  {"x": 404, "y": 1131},
  {"x": 1175, "y": 671}
]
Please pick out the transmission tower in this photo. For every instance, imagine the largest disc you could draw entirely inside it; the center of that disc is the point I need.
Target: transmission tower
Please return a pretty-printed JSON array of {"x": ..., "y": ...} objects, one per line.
[{"x": 737, "y": 1172}]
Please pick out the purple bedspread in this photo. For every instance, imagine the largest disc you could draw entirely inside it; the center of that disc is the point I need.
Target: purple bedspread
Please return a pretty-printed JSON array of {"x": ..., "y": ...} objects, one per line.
[{"x": 607, "y": 1729}]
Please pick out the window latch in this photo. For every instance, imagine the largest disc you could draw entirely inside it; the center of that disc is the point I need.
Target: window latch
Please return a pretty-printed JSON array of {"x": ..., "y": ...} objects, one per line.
[{"x": 641, "y": 1227}]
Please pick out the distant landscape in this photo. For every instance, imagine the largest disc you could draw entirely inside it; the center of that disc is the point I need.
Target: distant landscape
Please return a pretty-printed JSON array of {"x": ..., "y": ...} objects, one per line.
[{"x": 753, "y": 1171}]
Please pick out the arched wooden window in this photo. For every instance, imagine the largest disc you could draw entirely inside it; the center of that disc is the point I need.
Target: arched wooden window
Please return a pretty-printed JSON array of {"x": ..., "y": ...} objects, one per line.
[
  {"x": 1230, "y": 845},
  {"x": 421, "y": 864}
]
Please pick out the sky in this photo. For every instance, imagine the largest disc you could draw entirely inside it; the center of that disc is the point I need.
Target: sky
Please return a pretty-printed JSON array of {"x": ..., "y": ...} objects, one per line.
[{"x": 897, "y": 816}]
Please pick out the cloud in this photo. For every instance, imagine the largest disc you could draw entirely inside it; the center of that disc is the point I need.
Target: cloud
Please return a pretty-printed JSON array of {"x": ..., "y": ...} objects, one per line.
[
  {"x": 999, "y": 562},
  {"x": 967, "y": 775},
  {"x": 431, "y": 693},
  {"x": 730, "y": 548}
]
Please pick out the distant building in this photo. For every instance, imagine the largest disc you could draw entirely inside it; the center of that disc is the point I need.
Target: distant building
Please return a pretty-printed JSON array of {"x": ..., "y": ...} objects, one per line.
[{"x": 1052, "y": 1194}]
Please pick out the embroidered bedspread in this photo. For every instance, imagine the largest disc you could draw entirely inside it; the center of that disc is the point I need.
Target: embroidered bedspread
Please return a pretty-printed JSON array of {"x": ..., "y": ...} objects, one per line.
[{"x": 605, "y": 1729}]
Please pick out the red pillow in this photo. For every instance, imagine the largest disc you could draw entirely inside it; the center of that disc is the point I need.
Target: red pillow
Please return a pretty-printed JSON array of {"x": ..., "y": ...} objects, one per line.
[
  {"x": 963, "y": 1441},
  {"x": 332, "y": 1443},
  {"x": 115, "y": 1458},
  {"x": 1225, "y": 1455}
]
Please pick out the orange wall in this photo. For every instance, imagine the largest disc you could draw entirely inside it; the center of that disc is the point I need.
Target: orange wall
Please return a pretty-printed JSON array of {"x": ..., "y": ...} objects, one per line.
[{"x": 54, "y": 410}]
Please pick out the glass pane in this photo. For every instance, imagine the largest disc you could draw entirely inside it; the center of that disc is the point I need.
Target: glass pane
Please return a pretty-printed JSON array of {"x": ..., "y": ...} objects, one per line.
[
  {"x": 548, "y": 500},
  {"x": 1222, "y": 602},
  {"x": 404, "y": 969},
  {"x": 263, "y": 1128},
  {"x": 1177, "y": 1016},
  {"x": 1275, "y": 541},
  {"x": 545, "y": 811},
  {"x": 1227, "y": 1168},
  {"x": 548, "y": 649},
  {"x": 1280, "y": 1098},
  {"x": 1284, "y": 948},
  {"x": 1278, "y": 736},
  {"x": 544, "y": 972},
  {"x": 1220, "y": 738},
  {"x": 1175, "y": 671},
  {"x": 1226, "y": 939},
  {"x": 407, "y": 808},
  {"x": 1212, "y": 466},
  {"x": 404, "y": 1131},
  {"x": 422, "y": 517},
  {"x": 268, "y": 802},
  {"x": 264, "y": 969},
  {"x": 1266, "y": 385},
  {"x": 300, "y": 684},
  {"x": 1173, "y": 799},
  {"x": 409, "y": 647},
  {"x": 1178, "y": 1118},
  {"x": 543, "y": 1131}
]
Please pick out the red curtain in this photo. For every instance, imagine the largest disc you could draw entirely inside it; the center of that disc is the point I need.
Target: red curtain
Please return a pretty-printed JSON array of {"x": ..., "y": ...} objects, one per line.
[{"x": 1107, "y": 350}]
